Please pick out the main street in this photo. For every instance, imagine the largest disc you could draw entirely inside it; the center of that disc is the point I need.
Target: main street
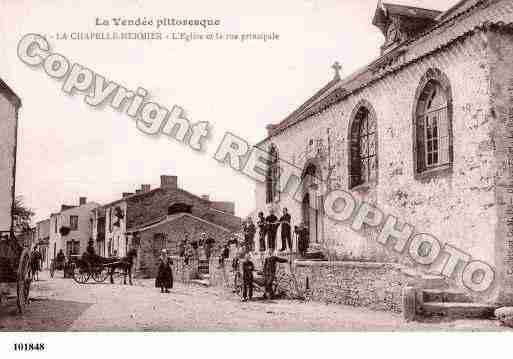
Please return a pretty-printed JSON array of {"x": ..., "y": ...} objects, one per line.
[{"x": 62, "y": 305}]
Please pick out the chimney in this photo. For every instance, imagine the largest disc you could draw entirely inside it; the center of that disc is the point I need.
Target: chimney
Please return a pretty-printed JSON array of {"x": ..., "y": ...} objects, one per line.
[
  {"x": 168, "y": 182},
  {"x": 82, "y": 201},
  {"x": 206, "y": 197},
  {"x": 126, "y": 194},
  {"x": 145, "y": 188}
]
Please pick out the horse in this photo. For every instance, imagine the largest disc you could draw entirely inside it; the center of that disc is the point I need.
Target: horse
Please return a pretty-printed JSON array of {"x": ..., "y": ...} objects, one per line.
[
  {"x": 125, "y": 264},
  {"x": 35, "y": 265}
]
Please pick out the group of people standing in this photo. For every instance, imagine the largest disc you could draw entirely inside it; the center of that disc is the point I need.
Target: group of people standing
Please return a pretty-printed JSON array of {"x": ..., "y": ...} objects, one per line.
[
  {"x": 268, "y": 227},
  {"x": 267, "y": 231},
  {"x": 190, "y": 248}
]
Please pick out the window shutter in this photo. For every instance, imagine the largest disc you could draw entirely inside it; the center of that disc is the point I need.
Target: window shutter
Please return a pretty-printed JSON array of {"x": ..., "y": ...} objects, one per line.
[
  {"x": 444, "y": 137},
  {"x": 420, "y": 146}
]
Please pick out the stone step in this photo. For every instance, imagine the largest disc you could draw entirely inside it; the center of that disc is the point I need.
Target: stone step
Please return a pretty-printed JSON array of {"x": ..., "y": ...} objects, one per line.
[
  {"x": 201, "y": 282},
  {"x": 445, "y": 296},
  {"x": 458, "y": 310}
]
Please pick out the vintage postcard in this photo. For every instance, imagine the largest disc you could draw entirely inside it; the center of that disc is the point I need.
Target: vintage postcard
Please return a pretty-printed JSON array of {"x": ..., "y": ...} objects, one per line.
[{"x": 256, "y": 166}]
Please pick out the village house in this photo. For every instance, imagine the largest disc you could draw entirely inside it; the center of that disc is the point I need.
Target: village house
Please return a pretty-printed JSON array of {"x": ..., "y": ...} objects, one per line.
[
  {"x": 10, "y": 104},
  {"x": 43, "y": 240},
  {"x": 70, "y": 229},
  {"x": 422, "y": 133},
  {"x": 154, "y": 219}
]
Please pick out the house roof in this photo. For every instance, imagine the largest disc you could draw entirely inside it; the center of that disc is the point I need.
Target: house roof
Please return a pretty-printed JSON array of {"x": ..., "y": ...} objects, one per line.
[
  {"x": 4, "y": 88},
  {"x": 139, "y": 196},
  {"x": 169, "y": 219},
  {"x": 384, "y": 10},
  {"x": 457, "y": 22},
  {"x": 410, "y": 11}
]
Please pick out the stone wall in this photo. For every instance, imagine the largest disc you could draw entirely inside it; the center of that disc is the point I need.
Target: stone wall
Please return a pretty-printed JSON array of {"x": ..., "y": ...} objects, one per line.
[
  {"x": 500, "y": 45},
  {"x": 458, "y": 207},
  {"x": 377, "y": 286}
]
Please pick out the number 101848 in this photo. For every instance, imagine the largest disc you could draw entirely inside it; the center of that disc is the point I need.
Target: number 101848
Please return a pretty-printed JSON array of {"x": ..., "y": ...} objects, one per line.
[{"x": 29, "y": 347}]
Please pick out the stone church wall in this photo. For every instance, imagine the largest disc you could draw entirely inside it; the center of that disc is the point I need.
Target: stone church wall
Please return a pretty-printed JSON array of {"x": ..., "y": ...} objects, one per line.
[
  {"x": 459, "y": 207},
  {"x": 500, "y": 46}
]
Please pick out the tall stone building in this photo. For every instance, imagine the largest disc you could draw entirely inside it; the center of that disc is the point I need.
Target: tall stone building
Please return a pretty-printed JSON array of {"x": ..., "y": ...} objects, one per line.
[{"x": 422, "y": 133}]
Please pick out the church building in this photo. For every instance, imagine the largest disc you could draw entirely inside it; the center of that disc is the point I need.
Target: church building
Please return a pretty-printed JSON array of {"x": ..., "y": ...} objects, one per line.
[{"x": 424, "y": 133}]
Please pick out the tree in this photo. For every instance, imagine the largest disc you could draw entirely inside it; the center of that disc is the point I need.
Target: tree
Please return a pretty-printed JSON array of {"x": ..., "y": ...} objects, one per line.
[{"x": 22, "y": 216}]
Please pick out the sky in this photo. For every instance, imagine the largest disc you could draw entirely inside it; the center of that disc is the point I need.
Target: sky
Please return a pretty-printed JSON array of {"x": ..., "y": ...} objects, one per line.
[{"x": 68, "y": 149}]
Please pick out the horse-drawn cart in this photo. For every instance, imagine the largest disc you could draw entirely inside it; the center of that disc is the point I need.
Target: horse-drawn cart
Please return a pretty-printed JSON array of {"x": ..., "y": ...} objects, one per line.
[
  {"x": 15, "y": 279},
  {"x": 97, "y": 268}
]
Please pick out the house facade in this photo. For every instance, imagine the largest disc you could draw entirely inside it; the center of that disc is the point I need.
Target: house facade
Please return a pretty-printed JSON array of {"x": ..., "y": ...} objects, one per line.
[
  {"x": 71, "y": 228},
  {"x": 422, "y": 133},
  {"x": 125, "y": 218},
  {"x": 43, "y": 240},
  {"x": 9, "y": 107}
]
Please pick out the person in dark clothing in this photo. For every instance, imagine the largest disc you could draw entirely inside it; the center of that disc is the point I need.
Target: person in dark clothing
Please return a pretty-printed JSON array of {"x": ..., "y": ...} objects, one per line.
[
  {"x": 181, "y": 247},
  {"x": 302, "y": 239},
  {"x": 90, "y": 248},
  {"x": 208, "y": 244},
  {"x": 249, "y": 234},
  {"x": 286, "y": 239},
  {"x": 60, "y": 258},
  {"x": 35, "y": 262},
  {"x": 247, "y": 278},
  {"x": 164, "y": 279},
  {"x": 272, "y": 228},
  {"x": 194, "y": 246},
  {"x": 270, "y": 274},
  {"x": 225, "y": 254},
  {"x": 262, "y": 228},
  {"x": 90, "y": 253}
]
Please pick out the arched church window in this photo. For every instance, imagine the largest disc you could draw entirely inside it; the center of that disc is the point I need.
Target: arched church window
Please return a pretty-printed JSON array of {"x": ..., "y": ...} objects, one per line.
[
  {"x": 272, "y": 176},
  {"x": 363, "y": 148},
  {"x": 433, "y": 126}
]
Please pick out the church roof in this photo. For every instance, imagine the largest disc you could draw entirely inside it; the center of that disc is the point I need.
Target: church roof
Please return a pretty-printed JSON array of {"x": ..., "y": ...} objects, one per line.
[{"x": 460, "y": 20}]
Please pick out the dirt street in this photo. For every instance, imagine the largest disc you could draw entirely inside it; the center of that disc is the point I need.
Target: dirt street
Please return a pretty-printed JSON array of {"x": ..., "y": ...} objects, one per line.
[{"x": 62, "y": 305}]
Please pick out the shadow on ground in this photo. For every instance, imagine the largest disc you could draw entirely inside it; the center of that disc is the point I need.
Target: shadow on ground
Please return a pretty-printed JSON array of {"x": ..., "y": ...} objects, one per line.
[{"x": 41, "y": 315}]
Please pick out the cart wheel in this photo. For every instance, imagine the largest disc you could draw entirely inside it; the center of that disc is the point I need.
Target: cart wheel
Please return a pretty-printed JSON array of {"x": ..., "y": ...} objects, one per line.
[
  {"x": 81, "y": 273},
  {"x": 23, "y": 281},
  {"x": 100, "y": 274}
]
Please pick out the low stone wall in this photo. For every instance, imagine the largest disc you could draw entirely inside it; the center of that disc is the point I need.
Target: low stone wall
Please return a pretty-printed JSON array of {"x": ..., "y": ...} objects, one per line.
[{"x": 378, "y": 286}]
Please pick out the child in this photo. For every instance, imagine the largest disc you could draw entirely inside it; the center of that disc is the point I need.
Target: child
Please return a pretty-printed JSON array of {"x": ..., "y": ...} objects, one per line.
[
  {"x": 225, "y": 254},
  {"x": 247, "y": 278},
  {"x": 164, "y": 278}
]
